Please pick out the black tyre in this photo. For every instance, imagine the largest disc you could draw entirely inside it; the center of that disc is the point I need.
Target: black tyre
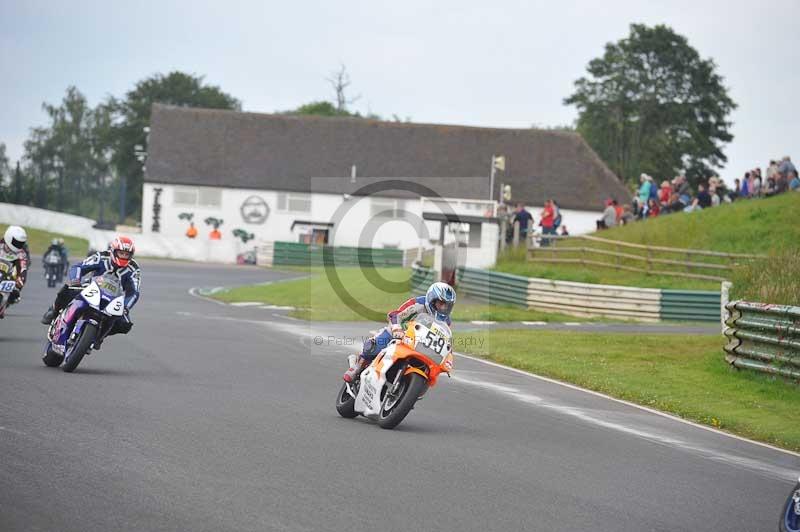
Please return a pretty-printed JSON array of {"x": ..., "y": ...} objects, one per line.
[
  {"x": 51, "y": 358},
  {"x": 76, "y": 351},
  {"x": 396, "y": 407},
  {"x": 790, "y": 520},
  {"x": 346, "y": 403}
]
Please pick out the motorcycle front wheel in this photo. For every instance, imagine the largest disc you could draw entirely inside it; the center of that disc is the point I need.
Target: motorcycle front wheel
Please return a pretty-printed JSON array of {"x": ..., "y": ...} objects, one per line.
[
  {"x": 346, "y": 403},
  {"x": 51, "y": 358},
  {"x": 396, "y": 406},
  {"x": 81, "y": 346},
  {"x": 790, "y": 518}
]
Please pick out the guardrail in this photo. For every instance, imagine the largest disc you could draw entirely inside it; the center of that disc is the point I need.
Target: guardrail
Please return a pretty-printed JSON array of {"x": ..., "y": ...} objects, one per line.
[
  {"x": 763, "y": 338},
  {"x": 589, "y": 300},
  {"x": 648, "y": 262}
]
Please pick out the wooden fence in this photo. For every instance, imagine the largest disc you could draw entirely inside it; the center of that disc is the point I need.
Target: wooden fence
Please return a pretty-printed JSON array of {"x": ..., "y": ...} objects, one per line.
[{"x": 638, "y": 258}]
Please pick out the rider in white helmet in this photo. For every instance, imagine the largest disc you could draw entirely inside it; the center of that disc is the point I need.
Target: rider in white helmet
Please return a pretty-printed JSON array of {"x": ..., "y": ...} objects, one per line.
[{"x": 14, "y": 247}]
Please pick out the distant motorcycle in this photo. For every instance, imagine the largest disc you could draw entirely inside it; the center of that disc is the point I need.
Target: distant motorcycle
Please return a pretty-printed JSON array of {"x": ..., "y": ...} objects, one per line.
[
  {"x": 400, "y": 375},
  {"x": 790, "y": 516},
  {"x": 8, "y": 280},
  {"x": 88, "y": 318},
  {"x": 53, "y": 268}
]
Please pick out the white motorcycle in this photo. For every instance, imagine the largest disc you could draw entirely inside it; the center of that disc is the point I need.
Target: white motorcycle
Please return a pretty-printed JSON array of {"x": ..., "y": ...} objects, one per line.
[{"x": 400, "y": 375}]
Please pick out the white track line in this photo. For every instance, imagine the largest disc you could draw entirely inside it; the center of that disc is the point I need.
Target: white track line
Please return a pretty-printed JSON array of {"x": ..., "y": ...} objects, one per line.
[{"x": 628, "y": 403}]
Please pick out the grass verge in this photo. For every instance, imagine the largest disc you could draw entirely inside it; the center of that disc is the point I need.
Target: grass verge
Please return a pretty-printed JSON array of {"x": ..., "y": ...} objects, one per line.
[
  {"x": 38, "y": 241},
  {"x": 682, "y": 375},
  {"x": 316, "y": 298}
]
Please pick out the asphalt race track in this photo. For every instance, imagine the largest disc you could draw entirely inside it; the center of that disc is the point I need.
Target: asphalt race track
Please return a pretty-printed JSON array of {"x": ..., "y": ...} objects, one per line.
[{"x": 209, "y": 417}]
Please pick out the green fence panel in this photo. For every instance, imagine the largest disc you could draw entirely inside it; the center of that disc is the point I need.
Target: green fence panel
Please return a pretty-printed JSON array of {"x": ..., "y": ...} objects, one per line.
[
  {"x": 493, "y": 287},
  {"x": 690, "y": 305},
  {"x": 296, "y": 254}
]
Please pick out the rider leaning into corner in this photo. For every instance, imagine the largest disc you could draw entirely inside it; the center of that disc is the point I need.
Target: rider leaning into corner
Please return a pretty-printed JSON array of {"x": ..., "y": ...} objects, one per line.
[
  {"x": 118, "y": 259},
  {"x": 438, "y": 301},
  {"x": 15, "y": 243}
]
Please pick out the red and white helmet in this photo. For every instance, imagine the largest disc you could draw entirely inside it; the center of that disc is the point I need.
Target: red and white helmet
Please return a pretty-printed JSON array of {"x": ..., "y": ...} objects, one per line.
[{"x": 122, "y": 250}]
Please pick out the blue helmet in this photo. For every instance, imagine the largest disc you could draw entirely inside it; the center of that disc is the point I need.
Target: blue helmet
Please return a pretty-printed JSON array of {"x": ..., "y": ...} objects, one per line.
[{"x": 439, "y": 300}]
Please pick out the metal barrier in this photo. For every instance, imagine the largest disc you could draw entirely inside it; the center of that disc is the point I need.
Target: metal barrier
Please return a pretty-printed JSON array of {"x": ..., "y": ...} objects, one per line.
[
  {"x": 764, "y": 338},
  {"x": 589, "y": 300},
  {"x": 296, "y": 254}
]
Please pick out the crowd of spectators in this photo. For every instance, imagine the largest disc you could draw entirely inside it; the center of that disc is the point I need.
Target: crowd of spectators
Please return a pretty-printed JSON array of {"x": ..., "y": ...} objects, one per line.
[{"x": 677, "y": 196}]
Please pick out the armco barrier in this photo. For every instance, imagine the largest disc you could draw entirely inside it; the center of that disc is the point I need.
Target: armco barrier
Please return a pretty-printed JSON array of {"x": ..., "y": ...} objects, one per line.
[
  {"x": 764, "y": 338},
  {"x": 296, "y": 254},
  {"x": 589, "y": 300}
]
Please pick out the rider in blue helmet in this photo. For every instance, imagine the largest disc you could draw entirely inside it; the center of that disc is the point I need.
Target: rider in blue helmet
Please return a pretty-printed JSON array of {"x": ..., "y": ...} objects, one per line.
[{"x": 438, "y": 301}]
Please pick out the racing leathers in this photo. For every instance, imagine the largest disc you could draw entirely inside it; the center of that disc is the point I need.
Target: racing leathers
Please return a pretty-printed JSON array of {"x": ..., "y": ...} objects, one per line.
[
  {"x": 20, "y": 260},
  {"x": 62, "y": 252},
  {"x": 98, "y": 264},
  {"x": 398, "y": 319}
]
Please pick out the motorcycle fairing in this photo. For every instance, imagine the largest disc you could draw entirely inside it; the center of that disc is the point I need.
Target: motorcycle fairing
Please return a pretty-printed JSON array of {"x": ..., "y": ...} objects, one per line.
[{"x": 373, "y": 379}]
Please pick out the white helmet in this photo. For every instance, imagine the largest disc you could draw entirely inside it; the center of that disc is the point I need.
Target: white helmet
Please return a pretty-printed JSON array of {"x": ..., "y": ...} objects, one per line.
[{"x": 15, "y": 238}]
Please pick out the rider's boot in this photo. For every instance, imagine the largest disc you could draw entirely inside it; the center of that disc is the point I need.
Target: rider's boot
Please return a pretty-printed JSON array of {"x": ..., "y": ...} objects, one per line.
[
  {"x": 49, "y": 316},
  {"x": 356, "y": 367}
]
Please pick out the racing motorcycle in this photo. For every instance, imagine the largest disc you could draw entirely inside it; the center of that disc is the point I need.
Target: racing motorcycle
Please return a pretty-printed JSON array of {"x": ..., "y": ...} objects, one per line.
[
  {"x": 87, "y": 319},
  {"x": 790, "y": 517},
  {"x": 8, "y": 280},
  {"x": 53, "y": 268},
  {"x": 400, "y": 375}
]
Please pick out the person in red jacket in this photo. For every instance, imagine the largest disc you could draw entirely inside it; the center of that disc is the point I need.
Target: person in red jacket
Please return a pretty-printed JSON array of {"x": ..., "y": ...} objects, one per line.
[{"x": 547, "y": 219}]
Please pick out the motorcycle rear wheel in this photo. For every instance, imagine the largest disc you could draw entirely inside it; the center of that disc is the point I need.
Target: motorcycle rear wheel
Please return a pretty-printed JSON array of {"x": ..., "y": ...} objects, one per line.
[
  {"x": 81, "y": 346},
  {"x": 395, "y": 408},
  {"x": 346, "y": 403}
]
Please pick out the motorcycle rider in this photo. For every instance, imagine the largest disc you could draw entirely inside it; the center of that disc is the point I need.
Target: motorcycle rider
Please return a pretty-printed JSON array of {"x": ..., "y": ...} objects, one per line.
[
  {"x": 57, "y": 245},
  {"x": 14, "y": 243},
  {"x": 438, "y": 301},
  {"x": 118, "y": 259}
]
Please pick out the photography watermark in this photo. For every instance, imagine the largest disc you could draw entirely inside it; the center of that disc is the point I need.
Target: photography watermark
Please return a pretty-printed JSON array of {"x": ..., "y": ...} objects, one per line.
[
  {"x": 460, "y": 342},
  {"x": 388, "y": 195}
]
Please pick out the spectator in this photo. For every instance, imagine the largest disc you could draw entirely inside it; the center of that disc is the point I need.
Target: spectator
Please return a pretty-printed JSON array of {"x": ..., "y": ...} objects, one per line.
[
  {"x": 737, "y": 187},
  {"x": 703, "y": 197},
  {"x": 609, "y": 218},
  {"x": 744, "y": 191},
  {"x": 771, "y": 188},
  {"x": 772, "y": 170},
  {"x": 755, "y": 183},
  {"x": 712, "y": 191},
  {"x": 619, "y": 210},
  {"x": 794, "y": 182},
  {"x": 683, "y": 189},
  {"x": 525, "y": 220},
  {"x": 653, "y": 208},
  {"x": 664, "y": 193},
  {"x": 786, "y": 167},
  {"x": 556, "y": 215},
  {"x": 627, "y": 215},
  {"x": 675, "y": 203},
  {"x": 548, "y": 217},
  {"x": 564, "y": 231},
  {"x": 644, "y": 193}
]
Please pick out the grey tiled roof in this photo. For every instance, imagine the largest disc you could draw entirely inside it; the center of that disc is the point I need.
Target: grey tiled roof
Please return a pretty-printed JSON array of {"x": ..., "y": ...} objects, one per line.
[{"x": 278, "y": 152}]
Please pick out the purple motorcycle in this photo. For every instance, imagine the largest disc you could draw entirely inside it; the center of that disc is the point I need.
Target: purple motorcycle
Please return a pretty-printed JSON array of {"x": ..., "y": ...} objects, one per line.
[
  {"x": 790, "y": 517},
  {"x": 88, "y": 318}
]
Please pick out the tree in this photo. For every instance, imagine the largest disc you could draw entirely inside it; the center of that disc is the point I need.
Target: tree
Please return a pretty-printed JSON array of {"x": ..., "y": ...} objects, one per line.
[
  {"x": 651, "y": 104},
  {"x": 320, "y": 109},
  {"x": 4, "y": 174},
  {"x": 340, "y": 80},
  {"x": 133, "y": 115}
]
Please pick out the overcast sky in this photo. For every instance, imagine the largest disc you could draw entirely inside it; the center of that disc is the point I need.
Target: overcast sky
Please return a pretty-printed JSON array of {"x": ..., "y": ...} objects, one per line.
[{"x": 503, "y": 64}]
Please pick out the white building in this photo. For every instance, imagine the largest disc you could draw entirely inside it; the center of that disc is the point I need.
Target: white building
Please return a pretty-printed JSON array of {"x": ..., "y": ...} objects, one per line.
[{"x": 353, "y": 182}]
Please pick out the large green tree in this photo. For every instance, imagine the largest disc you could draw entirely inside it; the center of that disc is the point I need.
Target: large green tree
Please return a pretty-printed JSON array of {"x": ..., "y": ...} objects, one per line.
[
  {"x": 133, "y": 115},
  {"x": 652, "y": 104}
]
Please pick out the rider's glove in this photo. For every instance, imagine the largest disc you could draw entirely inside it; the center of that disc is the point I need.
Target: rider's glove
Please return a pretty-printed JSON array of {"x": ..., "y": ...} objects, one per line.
[
  {"x": 20, "y": 283},
  {"x": 397, "y": 331}
]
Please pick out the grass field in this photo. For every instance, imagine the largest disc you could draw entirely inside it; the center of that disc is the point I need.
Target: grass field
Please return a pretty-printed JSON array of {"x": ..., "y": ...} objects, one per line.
[
  {"x": 683, "y": 375},
  {"x": 38, "y": 241},
  {"x": 764, "y": 226},
  {"x": 316, "y": 299}
]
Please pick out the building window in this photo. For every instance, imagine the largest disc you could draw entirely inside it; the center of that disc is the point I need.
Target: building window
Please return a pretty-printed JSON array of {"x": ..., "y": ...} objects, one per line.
[
  {"x": 387, "y": 208},
  {"x": 294, "y": 202},
  {"x": 197, "y": 197}
]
